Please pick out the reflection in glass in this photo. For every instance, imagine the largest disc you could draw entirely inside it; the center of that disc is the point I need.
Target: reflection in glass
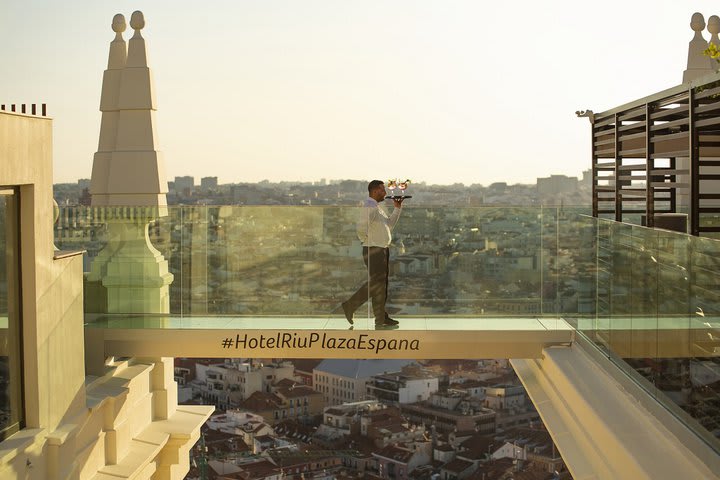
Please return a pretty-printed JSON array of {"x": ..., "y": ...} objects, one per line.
[{"x": 10, "y": 361}]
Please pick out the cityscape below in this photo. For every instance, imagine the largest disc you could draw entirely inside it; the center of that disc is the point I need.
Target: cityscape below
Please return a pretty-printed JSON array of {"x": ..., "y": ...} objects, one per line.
[{"x": 378, "y": 419}]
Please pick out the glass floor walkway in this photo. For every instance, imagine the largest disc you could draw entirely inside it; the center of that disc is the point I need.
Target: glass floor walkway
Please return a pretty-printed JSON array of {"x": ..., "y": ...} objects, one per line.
[
  {"x": 326, "y": 337},
  {"x": 415, "y": 337}
]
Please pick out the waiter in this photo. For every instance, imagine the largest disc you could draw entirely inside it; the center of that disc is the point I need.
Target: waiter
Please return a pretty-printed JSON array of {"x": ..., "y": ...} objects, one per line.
[{"x": 374, "y": 229}]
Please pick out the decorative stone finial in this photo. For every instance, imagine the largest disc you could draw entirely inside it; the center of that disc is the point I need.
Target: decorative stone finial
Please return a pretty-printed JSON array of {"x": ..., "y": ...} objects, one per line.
[
  {"x": 697, "y": 63},
  {"x": 119, "y": 26},
  {"x": 713, "y": 26},
  {"x": 137, "y": 21},
  {"x": 697, "y": 22}
]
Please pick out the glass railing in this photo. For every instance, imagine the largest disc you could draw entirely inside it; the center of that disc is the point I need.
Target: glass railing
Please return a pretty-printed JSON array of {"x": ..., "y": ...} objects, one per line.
[
  {"x": 475, "y": 262},
  {"x": 648, "y": 280},
  {"x": 290, "y": 261},
  {"x": 656, "y": 312}
]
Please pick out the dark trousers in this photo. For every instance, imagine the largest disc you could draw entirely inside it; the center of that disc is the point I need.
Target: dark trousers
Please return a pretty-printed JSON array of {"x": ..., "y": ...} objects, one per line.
[{"x": 377, "y": 260}]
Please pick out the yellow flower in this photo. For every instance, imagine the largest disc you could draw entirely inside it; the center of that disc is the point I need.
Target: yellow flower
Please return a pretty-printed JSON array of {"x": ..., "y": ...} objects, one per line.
[{"x": 712, "y": 52}]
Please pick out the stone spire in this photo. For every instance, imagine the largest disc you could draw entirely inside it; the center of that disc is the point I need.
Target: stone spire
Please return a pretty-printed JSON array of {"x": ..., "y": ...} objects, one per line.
[
  {"x": 129, "y": 274},
  {"x": 128, "y": 170},
  {"x": 697, "y": 64},
  {"x": 109, "y": 107}
]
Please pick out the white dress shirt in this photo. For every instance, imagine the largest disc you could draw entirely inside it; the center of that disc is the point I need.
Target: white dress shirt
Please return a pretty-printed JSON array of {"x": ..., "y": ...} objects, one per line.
[{"x": 374, "y": 226}]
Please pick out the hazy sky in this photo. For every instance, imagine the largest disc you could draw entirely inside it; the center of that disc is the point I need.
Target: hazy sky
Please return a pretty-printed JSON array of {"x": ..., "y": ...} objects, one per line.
[{"x": 440, "y": 91}]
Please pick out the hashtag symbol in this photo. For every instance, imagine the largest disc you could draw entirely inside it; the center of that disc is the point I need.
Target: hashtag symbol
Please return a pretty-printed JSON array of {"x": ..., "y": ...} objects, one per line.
[{"x": 228, "y": 342}]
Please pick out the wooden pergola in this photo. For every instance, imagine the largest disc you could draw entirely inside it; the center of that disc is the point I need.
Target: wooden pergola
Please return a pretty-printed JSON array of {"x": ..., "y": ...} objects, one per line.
[{"x": 660, "y": 155}]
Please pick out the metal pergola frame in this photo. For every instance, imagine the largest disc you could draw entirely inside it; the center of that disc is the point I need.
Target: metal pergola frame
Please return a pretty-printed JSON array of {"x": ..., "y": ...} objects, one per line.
[{"x": 660, "y": 155}]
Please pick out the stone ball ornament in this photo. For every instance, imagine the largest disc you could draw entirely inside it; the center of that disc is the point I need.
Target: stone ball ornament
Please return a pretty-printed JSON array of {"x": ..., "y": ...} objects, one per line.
[
  {"x": 118, "y": 23},
  {"x": 713, "y": 24},
  {"x": 137, "y": 20},
  {"x": 697, "y": 22}
]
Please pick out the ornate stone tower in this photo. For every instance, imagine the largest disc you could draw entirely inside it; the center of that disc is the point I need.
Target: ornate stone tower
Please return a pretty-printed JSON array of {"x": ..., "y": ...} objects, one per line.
[{"x": 128, "y": 179}]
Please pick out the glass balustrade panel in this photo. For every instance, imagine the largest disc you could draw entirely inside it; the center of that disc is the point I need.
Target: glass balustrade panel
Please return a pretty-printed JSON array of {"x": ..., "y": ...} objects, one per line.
[{"x": 499, "y": 262}]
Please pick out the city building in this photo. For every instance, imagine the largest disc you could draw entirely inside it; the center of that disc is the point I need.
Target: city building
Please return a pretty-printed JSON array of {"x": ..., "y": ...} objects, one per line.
[
  {"x": 227, "y": 384},
  {"x": 473, "y": 388},
  {"x": 457, "y": 469},
  {"x": 183, "y": 184},
  {"x": 209, "y": 183},
  {"x": 303, "y": 402},
  {"x": 251, "y": 429},
  {"x": 367, "y": 423},
  {"x": 528, "y": 444},
  {"x": 501, "y": 397},
  {"x": 407, "y": 386},
  {"x": 397, "y": 462},
  {"x": 304, "y": 369},
  {"x": 451, "y": 413},
  {"x": 297, "y": 402},
  {"x": 346, "y": 381},
  {"x": 389, "y": 427},
  {"x": 342, "y": 421},
  {"x": 555, "y": 184}
]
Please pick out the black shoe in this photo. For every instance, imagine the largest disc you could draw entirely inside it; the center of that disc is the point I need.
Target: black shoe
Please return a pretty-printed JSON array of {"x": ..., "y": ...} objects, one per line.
[
  {"x": 386, "y": 326},
  {"x": 348, "y": 313},
  {"x": 386, "y": 323},
  {"x": 390, "y": 321}
]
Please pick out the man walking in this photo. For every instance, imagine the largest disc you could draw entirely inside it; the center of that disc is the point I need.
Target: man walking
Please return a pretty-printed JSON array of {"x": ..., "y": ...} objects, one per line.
[{"x": 374, "y": 228}]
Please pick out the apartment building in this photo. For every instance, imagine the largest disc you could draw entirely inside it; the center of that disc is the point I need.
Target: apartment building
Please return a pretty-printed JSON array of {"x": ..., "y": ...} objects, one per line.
[
  {"x": 450, "y": 412},
  {"x": 397, "y": 462},
  {"x": 406, "y": 386},
  {"x": 503, "y": 397},
  {"x": 227, "y": 384},
  {"x": 298, "y": 402},
  {"x": 345, "y": 381},
  {"x": 342, "y": 421}
]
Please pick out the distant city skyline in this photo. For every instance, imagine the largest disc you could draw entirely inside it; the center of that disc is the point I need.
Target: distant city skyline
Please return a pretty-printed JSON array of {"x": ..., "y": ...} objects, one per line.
[
  {"x": 187, "y": 190},
  {"x": 197, "y": 179},
  {"x": 441, "y": 93}
]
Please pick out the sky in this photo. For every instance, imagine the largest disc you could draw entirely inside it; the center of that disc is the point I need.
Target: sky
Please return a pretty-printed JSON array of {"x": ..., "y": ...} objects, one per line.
[{"x": 439, "y": 91}]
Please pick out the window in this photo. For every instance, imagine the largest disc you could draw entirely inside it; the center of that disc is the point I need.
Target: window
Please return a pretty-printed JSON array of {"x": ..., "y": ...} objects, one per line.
[{"x": 11, "y": 402}]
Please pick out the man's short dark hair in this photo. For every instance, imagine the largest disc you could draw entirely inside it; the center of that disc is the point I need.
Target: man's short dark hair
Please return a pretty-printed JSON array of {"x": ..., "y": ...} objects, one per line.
[{"x": 374, "y": 184}]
